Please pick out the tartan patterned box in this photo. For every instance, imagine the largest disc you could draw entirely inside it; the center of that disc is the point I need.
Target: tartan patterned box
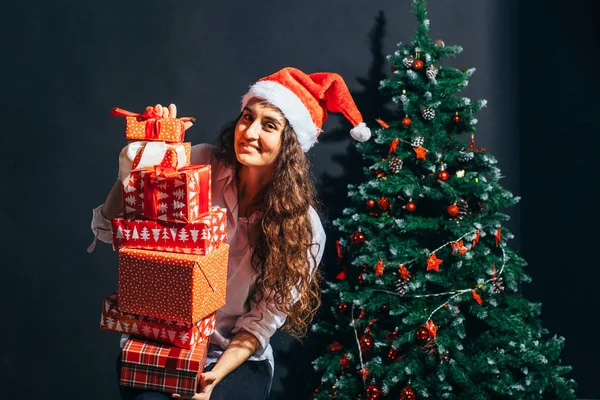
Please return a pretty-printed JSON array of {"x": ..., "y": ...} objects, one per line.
[
  {"x": 198, "y": 237},
  {"x": 162, "y": 368},
  {"x": 172, "y": 286},
  {"x": 151, "y": 126},
  {"x": 170, "y": 332},
  {"x": 168, "y": 194}
]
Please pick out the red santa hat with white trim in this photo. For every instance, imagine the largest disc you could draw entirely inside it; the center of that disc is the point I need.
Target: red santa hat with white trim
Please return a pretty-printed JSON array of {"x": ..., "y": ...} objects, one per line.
[{"x": 305, "y": 100}]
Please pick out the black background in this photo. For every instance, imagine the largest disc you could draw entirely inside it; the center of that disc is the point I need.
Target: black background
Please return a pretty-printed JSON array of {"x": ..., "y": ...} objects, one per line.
[{"x": 67, "y": 63}]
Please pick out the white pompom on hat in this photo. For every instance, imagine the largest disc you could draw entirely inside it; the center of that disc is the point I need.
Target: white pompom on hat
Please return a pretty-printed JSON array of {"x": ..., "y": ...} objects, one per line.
[{"x": 305, "y": 100}]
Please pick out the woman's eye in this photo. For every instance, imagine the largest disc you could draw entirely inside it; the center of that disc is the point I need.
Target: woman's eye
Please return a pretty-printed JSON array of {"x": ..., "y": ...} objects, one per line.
[
  {"x": 271, "y": 127},
  {"x": 248, "y": 117}
]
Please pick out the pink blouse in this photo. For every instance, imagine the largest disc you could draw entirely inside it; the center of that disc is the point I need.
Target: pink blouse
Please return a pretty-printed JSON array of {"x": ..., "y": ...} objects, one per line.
[{"x": 240, "y": 311}]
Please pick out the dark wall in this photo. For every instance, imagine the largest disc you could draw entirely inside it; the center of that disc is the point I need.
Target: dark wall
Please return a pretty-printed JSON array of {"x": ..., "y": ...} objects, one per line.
[{"x": 67, "y": 63}]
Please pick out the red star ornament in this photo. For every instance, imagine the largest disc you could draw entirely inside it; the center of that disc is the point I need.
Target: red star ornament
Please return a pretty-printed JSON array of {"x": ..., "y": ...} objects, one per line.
[
  {"x": 430, "y": 326},
  {"x": 404, "y": 272},
  {"x": 394, "y": 145},
  {"x": 498, "y": 235},
  {"x": 345, "y": 362},
  {"x": 335, "y": 346},
  {"x": 420, "y": 151},
  {"x": 379, "y": 268},
  {"x": 383, "y": 124},
  {"x": 434, "y": 263},
  {"x": 365, "y": 373},
  {"x": 476, "y": 297},
  {"x": 459, "y": 247},
  {"x": 476, "y": 240}
]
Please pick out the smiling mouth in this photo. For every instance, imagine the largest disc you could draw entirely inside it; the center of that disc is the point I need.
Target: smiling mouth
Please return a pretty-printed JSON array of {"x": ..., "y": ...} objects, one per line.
[{"x": 249, "y": 146}]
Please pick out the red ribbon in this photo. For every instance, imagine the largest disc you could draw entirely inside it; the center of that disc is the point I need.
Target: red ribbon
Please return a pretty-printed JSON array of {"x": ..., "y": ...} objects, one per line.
[
  {"x": 151, "y": 197},
  {"x": 171, "y": 363}
]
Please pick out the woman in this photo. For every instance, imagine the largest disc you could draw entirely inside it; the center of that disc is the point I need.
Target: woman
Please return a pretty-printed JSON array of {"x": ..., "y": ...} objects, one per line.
[{"x": 261, "y": 175}]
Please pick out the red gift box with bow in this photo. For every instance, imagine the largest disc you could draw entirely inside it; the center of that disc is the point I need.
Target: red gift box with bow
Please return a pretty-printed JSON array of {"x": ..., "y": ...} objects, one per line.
[
  {"x": 172, "y": 333},
  {"x": 168, "y": 194},
  {"x": 149, "y": 125},
  {"x": 163, "y": 368}
]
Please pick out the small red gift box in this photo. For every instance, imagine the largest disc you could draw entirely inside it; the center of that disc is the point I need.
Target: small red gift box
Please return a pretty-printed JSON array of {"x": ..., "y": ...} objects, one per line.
[
  {"x": 198, "y": 237},
  {"x": 151, "y": 126},
  {"x": 170, "y": 332},
  {"x": 168, "y": 194},
  {"x": 172, "y": 286},
  {"x": 163, "y": 368}
]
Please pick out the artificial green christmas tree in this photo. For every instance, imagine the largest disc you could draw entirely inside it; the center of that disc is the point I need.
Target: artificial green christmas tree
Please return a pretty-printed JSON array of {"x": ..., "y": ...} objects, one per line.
[{"x": 427, "y": 303}]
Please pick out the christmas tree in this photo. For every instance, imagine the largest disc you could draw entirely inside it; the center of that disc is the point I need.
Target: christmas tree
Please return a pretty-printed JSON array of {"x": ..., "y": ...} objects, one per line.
[{"x": 427, "y": 301}]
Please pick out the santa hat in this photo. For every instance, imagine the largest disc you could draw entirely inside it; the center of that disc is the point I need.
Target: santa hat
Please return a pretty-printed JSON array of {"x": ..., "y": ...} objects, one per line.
[{"x": 305, "y": 99}]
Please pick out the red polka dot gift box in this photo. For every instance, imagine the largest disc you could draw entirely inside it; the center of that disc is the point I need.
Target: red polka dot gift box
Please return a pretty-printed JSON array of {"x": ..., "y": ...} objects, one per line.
[
  {"x": 151, "y": 126},
  {"x": 199, "y": 237},
  {"x": 173, "y": 333},
  {"x": 163, "y": 368},
  {"x": 172, "y": 286},
  {"x": 168, "y": 194}
]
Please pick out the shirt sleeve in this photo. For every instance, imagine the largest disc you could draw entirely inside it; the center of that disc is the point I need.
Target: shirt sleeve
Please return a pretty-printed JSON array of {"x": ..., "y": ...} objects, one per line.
[
  {"x": 264, "y": 318},
  {"x": 202, "y": 154},
  {"x": 101, "y": 227}
]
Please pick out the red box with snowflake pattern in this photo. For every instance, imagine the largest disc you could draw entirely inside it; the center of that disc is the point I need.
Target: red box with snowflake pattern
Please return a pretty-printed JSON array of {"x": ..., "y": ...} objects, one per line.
[
  {"x": 199, "y": 237},
  {"x": 168, "y": 194},
  {"x": 173, "y": 333},
  {"x": 172, "y": 286}
]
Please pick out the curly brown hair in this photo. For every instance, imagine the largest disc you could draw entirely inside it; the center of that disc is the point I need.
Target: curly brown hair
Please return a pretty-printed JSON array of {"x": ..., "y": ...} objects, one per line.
[{"x": 281, "y": 257}]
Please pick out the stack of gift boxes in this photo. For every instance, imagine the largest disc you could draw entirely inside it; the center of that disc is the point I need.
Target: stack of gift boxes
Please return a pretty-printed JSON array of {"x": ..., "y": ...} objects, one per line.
[{"x": 172, "y": 259}]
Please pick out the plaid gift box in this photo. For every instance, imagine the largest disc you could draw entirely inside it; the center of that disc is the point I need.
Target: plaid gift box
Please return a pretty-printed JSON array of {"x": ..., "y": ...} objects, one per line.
[
  {"x": 168, "y": 194},
  {"x": 147, "y": 365},
  {"x": 173, "y": 333},
  {"x": 172, "y": 286},
  {"x": 198, "y": 237},
  {"x": 151, "y": 126}
]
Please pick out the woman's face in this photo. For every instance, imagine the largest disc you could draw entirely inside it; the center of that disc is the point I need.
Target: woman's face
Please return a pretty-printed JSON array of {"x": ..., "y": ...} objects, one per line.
[{"x": 257, "y": 139}]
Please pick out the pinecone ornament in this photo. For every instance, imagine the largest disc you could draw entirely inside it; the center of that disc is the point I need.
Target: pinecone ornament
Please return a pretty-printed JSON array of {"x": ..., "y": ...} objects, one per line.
[
  {"x": 431, "y": 72},
  {"x": 395, "y": 164},
  {"x": 418, "y": 141},
  {"x": 498, "y": 285},
  {"x": 444, "y": 355},
  {"x": 430, "y": 346},
  {"x": 463, "y": 208},
  {"x": 401, "y": 287},
  {"x": 408, "y": 61},
  {"x": 428, "y": 113}
]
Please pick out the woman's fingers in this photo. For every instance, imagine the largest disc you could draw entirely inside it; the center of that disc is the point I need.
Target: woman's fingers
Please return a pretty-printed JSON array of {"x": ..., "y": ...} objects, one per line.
[
  {"x": 172, "y": 111},
  {"x": 158, "y": 108}
]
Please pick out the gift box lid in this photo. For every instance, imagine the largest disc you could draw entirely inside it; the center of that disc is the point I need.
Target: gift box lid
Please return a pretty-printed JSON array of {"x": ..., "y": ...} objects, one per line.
[{"x": 155, "y": 355}]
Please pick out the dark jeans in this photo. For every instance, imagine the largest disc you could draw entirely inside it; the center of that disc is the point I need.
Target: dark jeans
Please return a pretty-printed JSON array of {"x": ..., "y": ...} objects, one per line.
[{"x": 250, "y": 381}]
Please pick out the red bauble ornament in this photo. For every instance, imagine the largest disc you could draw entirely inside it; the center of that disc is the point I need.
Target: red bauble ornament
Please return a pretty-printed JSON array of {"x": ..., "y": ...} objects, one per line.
[
  {"x": 394, "y": 69},
  {"x": 453, "y": 210},
  {"x": 342, "y": 308},
  {"x": 357, "y": 238},
  {"x": 373, "y": 392},
  {"x": 383, "y": 203},
  {"x": 366, "y": 343},
  {"x": 408, "y": 393},
  {"x": 370, "y": 203},
  {"x": 443, "y": 175},
  {"x": 361, "y": 278},
  {"x": 456, "y": 118},
  {"x": 392, "y": 336},
  {"x": 394, "y": 354},
  {"x": 411, "y": 206},
  {"x": 422, "y": 334},
  {"x": 406, "y": 121},
  {"x": 418, "y": 64}
]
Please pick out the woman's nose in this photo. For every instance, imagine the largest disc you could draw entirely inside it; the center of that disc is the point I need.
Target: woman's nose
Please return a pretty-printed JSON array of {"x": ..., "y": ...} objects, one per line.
[{"x": 253, "y": 130}]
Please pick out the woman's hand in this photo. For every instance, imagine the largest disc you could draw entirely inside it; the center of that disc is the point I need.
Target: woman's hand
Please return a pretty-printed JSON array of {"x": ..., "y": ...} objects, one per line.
[
  {"x": 208, "y": 381},
  {"x": 170, "y": 112}
]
